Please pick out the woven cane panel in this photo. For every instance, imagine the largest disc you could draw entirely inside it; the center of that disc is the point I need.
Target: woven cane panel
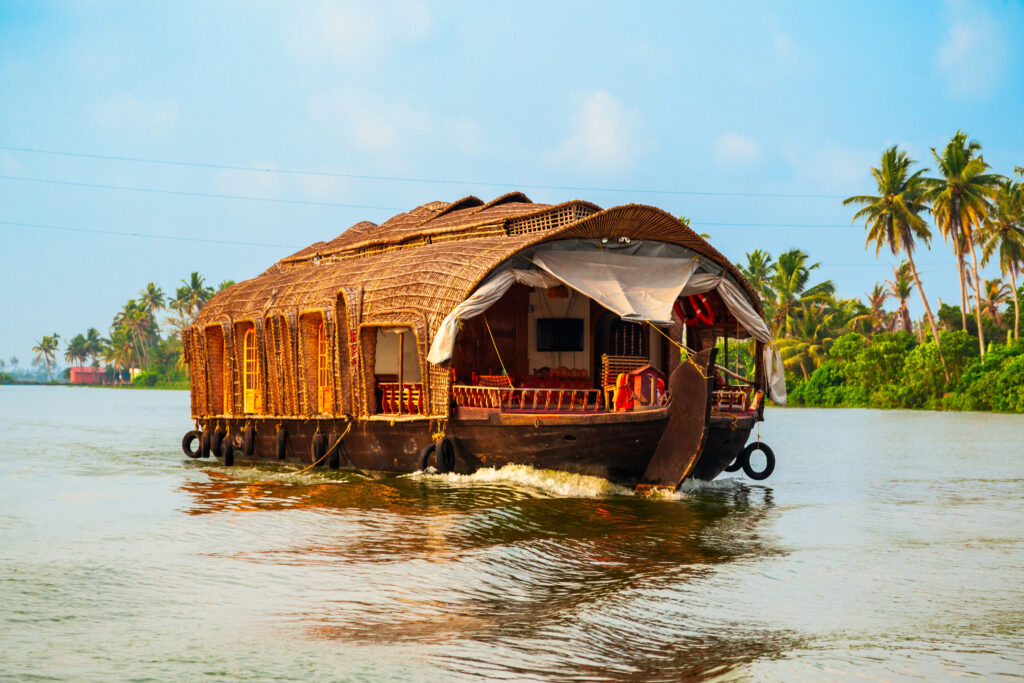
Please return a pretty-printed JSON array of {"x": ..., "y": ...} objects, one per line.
[{"x": 551, "y": 220}]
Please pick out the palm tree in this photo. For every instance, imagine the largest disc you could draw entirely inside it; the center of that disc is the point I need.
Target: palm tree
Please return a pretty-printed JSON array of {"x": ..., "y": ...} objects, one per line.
[
  {"x": 196, "y": 292},
  {"x": 1004, "y": 231},
  {"x": 875, "y": 316},
  {"x": 76, "y": 350},
  {"x": 813, "y": 332},
  {"x": 893, "y": 218},
  {"x": 901, "y": 286},
  {"x": 46, "y": 349},
  {"x": 151, "y": 298},
  {"x": 996, "y": 293},
  {"x": 758, "y": 272},
  {"x": 960, "y": 202},
  {"x": 93, "y": 344},
  {"x": 789, "y": 283}
]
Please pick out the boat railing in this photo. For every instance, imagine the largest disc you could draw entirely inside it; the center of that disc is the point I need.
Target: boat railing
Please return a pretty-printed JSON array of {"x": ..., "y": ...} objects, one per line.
[
  {"x": 405, "y": 398},
  {"x": 731, "y": 399},
  {"x": 528, "y": 399}
]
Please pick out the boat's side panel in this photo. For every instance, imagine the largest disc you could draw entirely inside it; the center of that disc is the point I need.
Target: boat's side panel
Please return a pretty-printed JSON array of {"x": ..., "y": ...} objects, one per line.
[
  {"x": 615, "y": 447},
  {"x": 726, "y": 438}
]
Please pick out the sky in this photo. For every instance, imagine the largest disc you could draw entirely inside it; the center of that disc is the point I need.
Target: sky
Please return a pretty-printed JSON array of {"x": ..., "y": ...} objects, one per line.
[{"x": 754, "y": 120}]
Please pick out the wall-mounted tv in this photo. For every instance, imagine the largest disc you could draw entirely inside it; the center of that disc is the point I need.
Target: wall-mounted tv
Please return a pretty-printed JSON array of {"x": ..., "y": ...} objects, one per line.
[{"x": 559, "y": 334}]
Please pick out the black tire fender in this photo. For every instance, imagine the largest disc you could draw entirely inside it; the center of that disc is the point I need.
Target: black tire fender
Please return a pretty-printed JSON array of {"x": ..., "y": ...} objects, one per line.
[
  {"x": 444, "y": 454},
  {"x": 425, "y": 454},
  {"x": 317, "y": 448},
  {"x": 227, "y": 451},
  {"x": 334, "y": 457},
  {"x": 249, "y": 440},
  {"x": 205, "y": 444},
  {"x": 735, "y": 465},
  {"x": 769, "y": 455},
  {"x": 217, "y": 441},
  {"x": 188, "y": 440},
  {"x": 282, "y": 443}
]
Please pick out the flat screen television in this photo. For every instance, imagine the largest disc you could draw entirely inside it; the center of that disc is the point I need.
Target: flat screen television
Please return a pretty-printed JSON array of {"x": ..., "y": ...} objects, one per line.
[{"x": 559, "y": 334}]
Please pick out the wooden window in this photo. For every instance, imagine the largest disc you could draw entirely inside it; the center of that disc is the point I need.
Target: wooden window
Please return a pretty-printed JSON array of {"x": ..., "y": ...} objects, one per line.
[
  {"x": 325, "y": 389},
  {"x": 251, "y": 379},
  {"x": 219, "y": 378}
]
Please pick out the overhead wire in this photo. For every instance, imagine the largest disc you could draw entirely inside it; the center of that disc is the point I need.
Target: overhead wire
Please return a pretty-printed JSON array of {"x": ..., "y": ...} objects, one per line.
[{"x": 412, "y": 179}]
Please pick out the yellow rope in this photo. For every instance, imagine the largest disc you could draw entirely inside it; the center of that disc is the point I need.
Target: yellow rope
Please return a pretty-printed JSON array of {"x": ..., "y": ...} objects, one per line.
[
  {"x": 328, "y": 451},
  {"x": 496, "y": 351},
  {"x": 683, "y": 351}
]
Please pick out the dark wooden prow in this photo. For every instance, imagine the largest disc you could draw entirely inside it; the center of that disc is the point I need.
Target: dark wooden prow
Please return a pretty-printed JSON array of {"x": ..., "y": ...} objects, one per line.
[{"x": 690, "y": 387}]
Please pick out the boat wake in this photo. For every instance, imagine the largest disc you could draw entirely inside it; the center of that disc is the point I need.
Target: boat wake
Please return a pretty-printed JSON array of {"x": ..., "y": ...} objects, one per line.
[{"x": 550, "y": 482}]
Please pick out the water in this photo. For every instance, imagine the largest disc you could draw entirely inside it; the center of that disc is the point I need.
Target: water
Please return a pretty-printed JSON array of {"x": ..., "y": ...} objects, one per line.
[{"x": 886, "y": 546}]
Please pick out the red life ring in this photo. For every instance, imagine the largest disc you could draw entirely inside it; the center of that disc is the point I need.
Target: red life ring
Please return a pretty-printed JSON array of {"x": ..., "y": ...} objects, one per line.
[{"x": 702, "y": 310}]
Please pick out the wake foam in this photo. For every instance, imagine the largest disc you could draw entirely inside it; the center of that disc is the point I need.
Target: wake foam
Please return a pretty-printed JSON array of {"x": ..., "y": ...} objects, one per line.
[{"x": 552, "y": 482}]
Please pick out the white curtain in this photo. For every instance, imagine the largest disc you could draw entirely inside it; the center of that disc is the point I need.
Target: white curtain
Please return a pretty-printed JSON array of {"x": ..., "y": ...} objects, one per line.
[{"x": 738, "y": 304}]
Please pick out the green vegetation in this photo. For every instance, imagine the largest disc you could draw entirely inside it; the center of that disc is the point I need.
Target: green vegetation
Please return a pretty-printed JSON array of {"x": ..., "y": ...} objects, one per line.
[
  {"x": 137, "y": 345},
  {"x": 844, "y": 352}
]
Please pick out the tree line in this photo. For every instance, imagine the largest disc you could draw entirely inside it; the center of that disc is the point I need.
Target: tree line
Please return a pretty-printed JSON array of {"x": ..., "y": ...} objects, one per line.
[
  {"x": 851, "y": 352},
  {"x": 136, "y": 339}
]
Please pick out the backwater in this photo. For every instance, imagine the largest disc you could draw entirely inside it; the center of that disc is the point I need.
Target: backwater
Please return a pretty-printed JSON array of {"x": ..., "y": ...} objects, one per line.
[{"x": 888, "y": 545}]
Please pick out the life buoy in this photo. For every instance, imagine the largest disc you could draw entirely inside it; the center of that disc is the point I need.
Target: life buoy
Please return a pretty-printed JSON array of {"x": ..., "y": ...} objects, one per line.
[
  {"x": 227, "y": 452},
  {"x": 249, "y": 440},
  {"x": 744, "y": 459},
  {"x": 282, "y": 443},
  {"x": 317, "y": 449},
  {"x": 189, "y": 439},
  {"x": 702, "y": 310}
]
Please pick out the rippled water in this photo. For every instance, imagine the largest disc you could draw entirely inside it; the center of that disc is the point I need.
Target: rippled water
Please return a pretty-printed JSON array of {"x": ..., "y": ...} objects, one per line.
[{"x": 887, "y": 545}]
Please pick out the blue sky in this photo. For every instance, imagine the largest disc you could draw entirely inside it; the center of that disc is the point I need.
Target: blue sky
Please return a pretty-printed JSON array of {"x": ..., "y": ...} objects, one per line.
[{"x": 731, "y": 97}]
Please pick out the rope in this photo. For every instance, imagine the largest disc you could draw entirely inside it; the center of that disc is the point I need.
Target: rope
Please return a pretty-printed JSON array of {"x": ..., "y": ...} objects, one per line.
[
  {"x": 328, "y": 451},
  {"x": 496, "y": 351},
  {"x": 684, "y": 353}
]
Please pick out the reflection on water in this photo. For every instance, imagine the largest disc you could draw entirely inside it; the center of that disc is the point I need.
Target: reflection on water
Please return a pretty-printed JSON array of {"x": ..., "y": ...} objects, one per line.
[{"x": 886, "y": 547}]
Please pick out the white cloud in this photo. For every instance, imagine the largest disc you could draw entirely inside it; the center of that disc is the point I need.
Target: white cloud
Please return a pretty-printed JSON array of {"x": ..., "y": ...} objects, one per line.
[
  {"x": 603, "y": 138},
  {"x": 128, "y": 113},
  {"x": 357, "y": 31},
  {"x": 735, "y": 149},
  {"x": 392, "y": 128},
  {"x": 834, "y": 168},
  {"x": 973, "y": 54}
]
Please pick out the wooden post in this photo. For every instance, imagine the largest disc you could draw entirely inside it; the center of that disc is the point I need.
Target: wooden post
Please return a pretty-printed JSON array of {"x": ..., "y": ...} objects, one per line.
[{"x": 401, "y": 370}]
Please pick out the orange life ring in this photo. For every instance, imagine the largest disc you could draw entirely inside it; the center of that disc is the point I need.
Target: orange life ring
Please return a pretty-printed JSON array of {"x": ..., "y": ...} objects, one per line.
[{"x": 702, "y": 310}]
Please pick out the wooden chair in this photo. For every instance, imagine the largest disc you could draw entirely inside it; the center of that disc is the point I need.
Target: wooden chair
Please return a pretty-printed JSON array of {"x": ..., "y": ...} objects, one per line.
[{"x": 612, "y": 367}]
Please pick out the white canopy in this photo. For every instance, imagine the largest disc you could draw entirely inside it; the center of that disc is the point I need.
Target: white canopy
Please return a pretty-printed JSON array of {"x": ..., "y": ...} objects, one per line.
[{"x": 634, "y": 287}]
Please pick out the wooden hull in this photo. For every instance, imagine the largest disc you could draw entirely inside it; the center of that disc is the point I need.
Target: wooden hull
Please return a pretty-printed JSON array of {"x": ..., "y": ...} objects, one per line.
[{"x": 615, "y": 446}]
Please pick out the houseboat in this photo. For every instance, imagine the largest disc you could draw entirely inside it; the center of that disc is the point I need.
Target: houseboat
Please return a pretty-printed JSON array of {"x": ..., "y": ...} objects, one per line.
[{"x": 479, "y": 334}]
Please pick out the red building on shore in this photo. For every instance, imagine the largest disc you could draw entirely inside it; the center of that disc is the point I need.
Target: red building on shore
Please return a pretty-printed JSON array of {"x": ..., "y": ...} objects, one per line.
[{"x": 86, "y": 375}]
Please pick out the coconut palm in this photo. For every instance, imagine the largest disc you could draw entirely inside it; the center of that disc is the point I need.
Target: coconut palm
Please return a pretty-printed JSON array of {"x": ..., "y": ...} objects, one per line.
[
  {"x": 93, "y": 344},
  {"x": 758, "y": 271},
  {"x": 901, "y": 287},
  {"x": 151, "y": 298},
  {"x": 789, "y": 284},
  {"x": 1004, "y": 232},
  {"x": 960, "y": 202},
  {"x": 46, "y": 350},
  {"x": 995, "y": 293},
  {"x": 196, "y": 293},
  {"x": 76, "y": 350},
  {"x": 812, "y": 333},
  {"x": 893, "y": 218},
  {"x": 874, "y": 316}
]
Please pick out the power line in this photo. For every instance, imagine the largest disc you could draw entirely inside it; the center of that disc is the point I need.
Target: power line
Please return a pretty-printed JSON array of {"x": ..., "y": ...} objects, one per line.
[
  {"x": 295, "y": 246},
  {"x": 208, "y": 195},
  {"x": 146, "y": 234},
  {"x": 409, "y": 179}
]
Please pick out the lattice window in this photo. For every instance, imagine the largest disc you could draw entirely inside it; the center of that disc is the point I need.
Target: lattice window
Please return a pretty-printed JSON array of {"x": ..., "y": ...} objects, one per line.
[
  {"x": 549, "y": 220},
  {"x": 325, "y": 389},
  {"x": 252, "y": 385}
]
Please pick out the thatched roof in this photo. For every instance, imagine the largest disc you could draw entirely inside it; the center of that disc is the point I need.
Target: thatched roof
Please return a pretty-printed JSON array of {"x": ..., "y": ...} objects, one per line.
[{"x": 427, "y": 260}]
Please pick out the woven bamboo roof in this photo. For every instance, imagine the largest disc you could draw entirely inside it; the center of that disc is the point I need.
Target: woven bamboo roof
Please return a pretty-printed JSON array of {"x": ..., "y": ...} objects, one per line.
[{"x": 428, "y": 260}]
